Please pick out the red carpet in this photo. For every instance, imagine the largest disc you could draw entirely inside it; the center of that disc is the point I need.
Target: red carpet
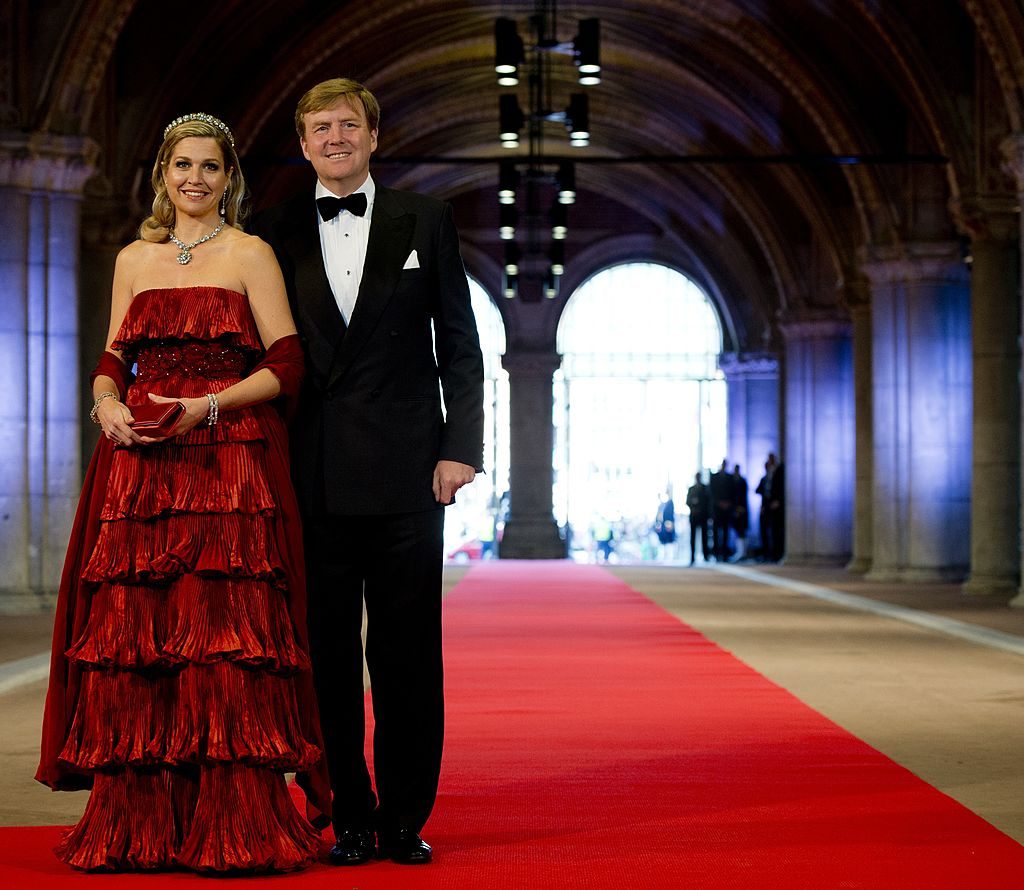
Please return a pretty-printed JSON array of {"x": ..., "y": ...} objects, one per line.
[{"x": 595, "y": 742}]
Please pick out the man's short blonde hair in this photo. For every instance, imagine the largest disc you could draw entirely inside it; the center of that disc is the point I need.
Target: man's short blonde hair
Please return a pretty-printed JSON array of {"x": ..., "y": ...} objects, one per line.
[{"x": 328, "y": 93}]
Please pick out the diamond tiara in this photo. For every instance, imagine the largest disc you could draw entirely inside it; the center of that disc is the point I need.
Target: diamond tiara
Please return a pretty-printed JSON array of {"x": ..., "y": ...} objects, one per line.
[{"x": 205, "y": 118}]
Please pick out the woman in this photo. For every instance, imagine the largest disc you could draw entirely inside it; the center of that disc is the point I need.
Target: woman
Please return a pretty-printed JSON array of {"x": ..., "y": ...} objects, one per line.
[{"x": 179, "y": 684}]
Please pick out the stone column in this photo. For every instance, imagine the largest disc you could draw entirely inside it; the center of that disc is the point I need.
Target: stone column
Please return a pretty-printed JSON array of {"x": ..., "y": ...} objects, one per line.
[
  {"x": 860, "y": 314},
  {"x": 41, "y": 181},
  {"x": 531, "y": 531},
  {"x": 819, "y": 437},
  {"x": 921, "y": 336},
  {"x": 753, "y": 431},
  {"x": 993, "y": 224},
  {"x": 1013, "y": 154},
  {"x": 108, "y": 224}
]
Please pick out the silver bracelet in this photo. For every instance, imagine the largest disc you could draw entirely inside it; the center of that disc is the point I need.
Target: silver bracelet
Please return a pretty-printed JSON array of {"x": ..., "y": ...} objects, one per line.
[
  {"x": 214, "y": 412},
  {"x": 96, "y": 404}
]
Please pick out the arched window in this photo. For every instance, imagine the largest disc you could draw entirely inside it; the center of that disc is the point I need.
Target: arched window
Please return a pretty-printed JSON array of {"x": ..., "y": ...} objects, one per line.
[
  {"x": 640, "y": 405},
  {"x": 476, "y": 506}
]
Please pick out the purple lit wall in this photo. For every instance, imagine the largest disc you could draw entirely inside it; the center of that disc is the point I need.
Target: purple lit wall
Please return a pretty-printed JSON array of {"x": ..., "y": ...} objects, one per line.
[
  {"x": 40, "y": 467},
  {"x": 753, "y": 421},
  {"x": 921, "y": 327},
  {"x": 819, "y": 447}
]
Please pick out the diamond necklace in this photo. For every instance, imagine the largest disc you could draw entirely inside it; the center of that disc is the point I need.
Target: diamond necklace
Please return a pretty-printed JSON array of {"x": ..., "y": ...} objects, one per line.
[{"x": 185, "y": 257}]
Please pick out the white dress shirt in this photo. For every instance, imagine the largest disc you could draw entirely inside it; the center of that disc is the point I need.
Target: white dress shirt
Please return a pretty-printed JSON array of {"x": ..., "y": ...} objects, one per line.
[{"x": 343, "y": 242}]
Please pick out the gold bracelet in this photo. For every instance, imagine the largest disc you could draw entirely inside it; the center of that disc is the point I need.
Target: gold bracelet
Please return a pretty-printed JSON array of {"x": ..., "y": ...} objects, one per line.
[{"x": 95, "y": 405}]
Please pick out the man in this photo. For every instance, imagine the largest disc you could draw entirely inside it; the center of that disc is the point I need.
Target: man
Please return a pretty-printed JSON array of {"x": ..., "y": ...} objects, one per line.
[
  {"x": 369, "y": 272},
  {"x": 772, "y": 489},
  {"x": 740, "y": 513},
  {"x": 698, "y": 500},
  {"x": 722, "y": 503}
]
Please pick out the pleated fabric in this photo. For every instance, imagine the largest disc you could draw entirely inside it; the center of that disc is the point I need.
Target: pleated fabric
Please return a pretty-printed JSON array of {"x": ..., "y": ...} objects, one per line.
[{"x": 191, "y": 670}]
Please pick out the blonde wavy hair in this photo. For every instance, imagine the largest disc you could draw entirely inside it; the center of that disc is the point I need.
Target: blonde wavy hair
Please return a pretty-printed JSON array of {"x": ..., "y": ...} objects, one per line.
[{"x": 157, "y": 226}]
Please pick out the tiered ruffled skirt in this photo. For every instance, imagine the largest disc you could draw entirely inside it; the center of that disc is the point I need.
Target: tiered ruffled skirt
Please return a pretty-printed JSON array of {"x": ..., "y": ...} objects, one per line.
[{"x": 187, "y": 714}]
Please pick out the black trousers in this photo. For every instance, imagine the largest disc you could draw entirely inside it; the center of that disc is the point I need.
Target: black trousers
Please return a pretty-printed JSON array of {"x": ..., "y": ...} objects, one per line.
[
  {"x": 699, "y": 532},
  {"x": 720, "y": 531},
  {"x": 394, "y": 562}
]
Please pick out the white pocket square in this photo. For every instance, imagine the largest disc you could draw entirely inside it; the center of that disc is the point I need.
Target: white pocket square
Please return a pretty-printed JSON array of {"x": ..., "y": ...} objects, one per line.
[{"x": 413, "y": 262}]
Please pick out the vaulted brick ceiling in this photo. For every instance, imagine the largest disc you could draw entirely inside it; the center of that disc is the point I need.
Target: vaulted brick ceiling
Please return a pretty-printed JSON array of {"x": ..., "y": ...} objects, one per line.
[{"x": 739, "y": 80}]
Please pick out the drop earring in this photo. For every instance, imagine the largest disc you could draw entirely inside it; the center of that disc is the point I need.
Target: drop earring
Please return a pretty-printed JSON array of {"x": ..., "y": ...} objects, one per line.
[{"x": 224, "y": 202}]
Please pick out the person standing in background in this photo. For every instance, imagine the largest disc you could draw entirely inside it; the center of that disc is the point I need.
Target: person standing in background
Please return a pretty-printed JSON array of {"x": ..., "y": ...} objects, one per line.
[
  {"x": 740, "y": 514},
  {"x": 772, "y": 489},
  {"x": 665, "y": 525},
  {"x": 722, "y": 503},
  {"x": 698, "y": 500}
]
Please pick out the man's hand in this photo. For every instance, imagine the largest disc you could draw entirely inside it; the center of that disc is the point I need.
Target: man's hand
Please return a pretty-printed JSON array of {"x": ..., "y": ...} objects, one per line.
[{"x": 449, "y": 477}]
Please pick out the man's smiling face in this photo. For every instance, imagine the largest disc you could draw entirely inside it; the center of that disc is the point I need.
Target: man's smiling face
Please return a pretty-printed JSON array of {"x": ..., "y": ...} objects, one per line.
[{"x": 338, "y": 143}]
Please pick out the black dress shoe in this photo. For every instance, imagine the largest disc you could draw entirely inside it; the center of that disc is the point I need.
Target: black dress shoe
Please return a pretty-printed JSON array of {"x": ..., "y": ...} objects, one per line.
[
  {"x": 354, "y": 848},
  {"x": 404, "y": 846}
]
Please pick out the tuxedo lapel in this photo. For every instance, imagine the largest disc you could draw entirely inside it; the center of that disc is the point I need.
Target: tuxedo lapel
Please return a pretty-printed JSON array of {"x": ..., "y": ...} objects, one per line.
[
  {"x": 322, "y": 319},
  {"x": 389, "y": 243}
]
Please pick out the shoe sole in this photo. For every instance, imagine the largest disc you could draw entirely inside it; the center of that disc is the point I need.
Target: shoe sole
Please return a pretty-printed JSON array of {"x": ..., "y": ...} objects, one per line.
[{"x": 426, "y": 860}]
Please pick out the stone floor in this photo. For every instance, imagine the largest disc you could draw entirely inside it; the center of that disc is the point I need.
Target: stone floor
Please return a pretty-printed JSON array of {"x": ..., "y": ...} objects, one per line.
[{"x": 949, "y": 709}]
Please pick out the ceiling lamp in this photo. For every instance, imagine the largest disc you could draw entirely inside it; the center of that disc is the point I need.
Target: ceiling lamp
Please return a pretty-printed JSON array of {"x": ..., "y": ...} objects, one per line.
[
  {"x": 566, "y": 181},
  {"x": 512, "y": 255},
  {"x": 544, "y": 180},
  {"x": 508, "y": 52},
  {"x": 557, "y": 257},
  {"x": 550, "y": 286},
  {"x": 577, "y": 119},
  {"x": 508, "y": 216},
  {"x": 511, "y": 120},
  {"x": 559, "y": 222},
  {"x": 508, "y": 182},
  {"x": 587, "y": 52}
]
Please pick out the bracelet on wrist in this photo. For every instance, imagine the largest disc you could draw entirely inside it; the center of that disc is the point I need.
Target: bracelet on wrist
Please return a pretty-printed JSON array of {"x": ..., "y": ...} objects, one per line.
[
  {"x": 213, "y": 414},
  {"x": 96, "y": 404}
]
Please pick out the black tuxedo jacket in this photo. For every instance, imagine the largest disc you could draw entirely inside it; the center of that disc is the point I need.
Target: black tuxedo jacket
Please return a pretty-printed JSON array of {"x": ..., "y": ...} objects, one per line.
[{"x": 370, "y": 429}]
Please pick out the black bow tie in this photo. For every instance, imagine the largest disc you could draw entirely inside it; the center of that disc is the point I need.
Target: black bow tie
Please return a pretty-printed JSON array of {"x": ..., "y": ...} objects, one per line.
[{"x": 330, "y": 206}]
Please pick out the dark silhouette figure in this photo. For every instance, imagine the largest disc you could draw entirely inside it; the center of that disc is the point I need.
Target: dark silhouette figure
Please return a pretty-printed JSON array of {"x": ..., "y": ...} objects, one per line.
[
  {"x": 741, "y": 514},
  {"x": 698, "y": 500},
  {"x": 773, "y": 510},
  {"x": 722, "y": 505}
]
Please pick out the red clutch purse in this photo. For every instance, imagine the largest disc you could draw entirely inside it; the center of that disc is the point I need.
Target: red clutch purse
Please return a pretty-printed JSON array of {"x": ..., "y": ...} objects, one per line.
[{"x": 156, "y": 419}]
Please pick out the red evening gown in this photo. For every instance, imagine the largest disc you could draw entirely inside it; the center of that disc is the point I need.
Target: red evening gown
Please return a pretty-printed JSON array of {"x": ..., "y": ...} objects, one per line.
[{"x": 180, "y": 683}]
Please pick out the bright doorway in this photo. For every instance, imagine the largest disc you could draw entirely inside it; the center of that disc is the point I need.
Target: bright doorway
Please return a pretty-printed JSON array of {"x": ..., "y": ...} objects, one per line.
[
  {"x": 476, "y": 514},
  {"x": 639, "y": 407}
]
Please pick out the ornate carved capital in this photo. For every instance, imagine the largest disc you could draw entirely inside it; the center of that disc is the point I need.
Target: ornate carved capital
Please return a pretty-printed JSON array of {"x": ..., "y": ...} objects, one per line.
[
  {"x": 531, "y": 364},
  {"x": 987, "y": 217},
  {"x": 749, "y": 365},
  {"x": 855, "y": 295},
  {"x": 1012, "y": 148},
  {"x": 46, "y": 162},
  {"x": 815, "y": 329},
  {"x": 913, "y": 261}
]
